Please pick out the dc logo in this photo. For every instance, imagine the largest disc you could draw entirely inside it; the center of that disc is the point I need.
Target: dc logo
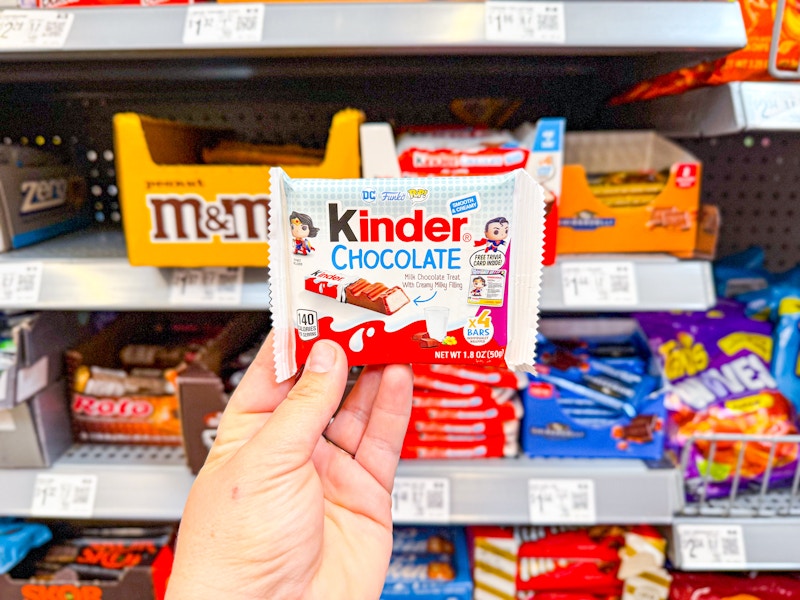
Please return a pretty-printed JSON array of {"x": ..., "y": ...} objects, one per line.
[{"x": 369, "y": 195}]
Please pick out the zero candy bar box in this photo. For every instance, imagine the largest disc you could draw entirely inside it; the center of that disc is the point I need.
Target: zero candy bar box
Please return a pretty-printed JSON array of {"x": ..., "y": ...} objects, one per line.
[{"x": 179, "y": 211}]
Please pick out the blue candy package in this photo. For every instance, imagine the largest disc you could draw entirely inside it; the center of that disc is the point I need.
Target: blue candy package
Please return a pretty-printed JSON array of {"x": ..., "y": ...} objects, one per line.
[
  {"x": 17, "y": 538},
  {"x": 429, "y": 563}
]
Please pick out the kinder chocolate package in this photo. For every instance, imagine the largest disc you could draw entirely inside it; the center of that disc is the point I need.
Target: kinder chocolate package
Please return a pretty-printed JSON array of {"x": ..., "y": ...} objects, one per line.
[
  {"x": 717, "y": 364},
  {"x": 411, "y": 270}
]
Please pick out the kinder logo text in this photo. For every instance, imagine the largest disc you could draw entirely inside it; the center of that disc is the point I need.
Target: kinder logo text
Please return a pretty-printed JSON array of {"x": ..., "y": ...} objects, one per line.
[
  {"x": 189, "y": 218},
  {"x": 61, "y": 592},
  {"x": 414, "y": 228},
  {"x": 110, "y": 407},
  {"x": 42, "y": 195}
]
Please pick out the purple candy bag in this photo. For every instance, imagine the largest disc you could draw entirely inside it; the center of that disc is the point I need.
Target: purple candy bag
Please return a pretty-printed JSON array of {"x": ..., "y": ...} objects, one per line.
[{"x": 717, "y": 368}]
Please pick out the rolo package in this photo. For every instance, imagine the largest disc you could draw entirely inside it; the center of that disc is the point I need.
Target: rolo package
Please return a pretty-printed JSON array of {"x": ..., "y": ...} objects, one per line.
[{"x": 409, "y": 270}]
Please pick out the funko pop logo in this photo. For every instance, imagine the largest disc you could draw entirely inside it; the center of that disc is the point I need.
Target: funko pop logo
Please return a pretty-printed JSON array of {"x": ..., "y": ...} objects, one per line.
[
  {"x": 418, "y": 195},
  {"x": 189, "y": 218},
  {"x": 110, "y": 407}
]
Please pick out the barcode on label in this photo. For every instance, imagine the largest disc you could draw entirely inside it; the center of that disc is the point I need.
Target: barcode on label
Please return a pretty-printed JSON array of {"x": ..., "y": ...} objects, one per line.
[
  {"x": 20, "y": 283},
  {"x": 34, "y": 29},
  {"x": 230, "y": 24},
  {"x": 532, "y": 22},
  {"x": 246, "y": 23},
  {"x": 208, "y": 286},
  {"x": 561, "y": 501},
  {"x": 708, "y": 546},
  {"x": 64, "y": 495},
  {"x": 599, "y": 284},
  {"x": 421, "y": 500}
]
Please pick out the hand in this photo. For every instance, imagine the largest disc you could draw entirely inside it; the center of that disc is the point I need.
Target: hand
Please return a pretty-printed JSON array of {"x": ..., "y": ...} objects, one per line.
[{"x": 278, "y": 511}]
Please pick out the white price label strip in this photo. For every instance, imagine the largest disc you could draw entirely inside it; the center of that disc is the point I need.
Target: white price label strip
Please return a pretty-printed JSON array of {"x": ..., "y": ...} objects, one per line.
[
  {"x": 210, "y": 286},
  {"x": 522, "y": 21},
  {"x": 421, "y": 500},
  {"x": 600, "y": 284},
  {"x": 20, "y": 283},
  {"x": 34, "y": 29},
  {"x": 711, "y": 546},
  {"x": 561, "y": 501},
  {"x": 64, "y": 495},
  {"x": 232, "y": 24}
]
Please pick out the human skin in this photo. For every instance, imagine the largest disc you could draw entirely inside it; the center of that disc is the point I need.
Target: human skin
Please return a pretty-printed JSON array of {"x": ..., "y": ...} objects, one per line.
[{"x": 278, "y": 511}]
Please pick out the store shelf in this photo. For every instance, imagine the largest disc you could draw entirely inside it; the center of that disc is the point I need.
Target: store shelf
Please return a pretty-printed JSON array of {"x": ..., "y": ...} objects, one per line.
[
  {"x": 89, "y": 270},
  {"x": 153, "y": 483},
  {"x": 410, "y": 28},
  {"x": 722, "y": 110},
  {"x": 495, "y": 491},
  {"x": 659, "y": 282}
]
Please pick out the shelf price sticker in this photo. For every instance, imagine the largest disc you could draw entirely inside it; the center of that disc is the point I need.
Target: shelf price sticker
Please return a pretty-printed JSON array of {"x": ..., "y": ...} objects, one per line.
[
  {"x": 34, "y": 29},
  {"x": 421, "y": 500},
  {"x": 230, "y": 24},
  {"x": 561, "y": 501},
  {"x": 600, "y": 284},
  {"x": 209, "y": 286},
  {"x": 525, "y": 21},
  {"x": 20, "y": 283},
  {"x": 711, "y": 546},
  {"x": 56, "y": 495}
]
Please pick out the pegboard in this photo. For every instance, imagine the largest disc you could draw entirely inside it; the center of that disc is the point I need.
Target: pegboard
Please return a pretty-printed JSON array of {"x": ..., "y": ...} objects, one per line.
[{"x": 755, "y": 180}]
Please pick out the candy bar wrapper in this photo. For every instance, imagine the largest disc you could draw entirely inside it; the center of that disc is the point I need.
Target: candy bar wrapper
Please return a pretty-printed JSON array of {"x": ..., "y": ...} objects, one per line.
[{"x": 413, "y": 270}]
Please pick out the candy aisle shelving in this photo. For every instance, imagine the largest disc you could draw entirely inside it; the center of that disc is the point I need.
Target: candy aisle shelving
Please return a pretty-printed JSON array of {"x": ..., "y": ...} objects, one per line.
[{"x": 399, "y": 62}]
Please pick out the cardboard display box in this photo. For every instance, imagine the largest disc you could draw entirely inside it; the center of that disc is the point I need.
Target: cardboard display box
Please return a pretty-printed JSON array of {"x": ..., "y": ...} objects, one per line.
[
  {"x": 146, "y": 580},
  {"x": 548, "y": 431},
  {"x": 41, "y": 195},
  {"x": 34, "y": 413},
  {"x": 668, "y": 222},
  {"x": 36, "y": 433},
  {"x": 178, "y": 212}
]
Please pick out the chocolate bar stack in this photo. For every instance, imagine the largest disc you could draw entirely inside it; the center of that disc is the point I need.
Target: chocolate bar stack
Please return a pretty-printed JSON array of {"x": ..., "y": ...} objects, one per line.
[
  {"x": 462, "y": 411},
  {"x": 429, "y": 563}
]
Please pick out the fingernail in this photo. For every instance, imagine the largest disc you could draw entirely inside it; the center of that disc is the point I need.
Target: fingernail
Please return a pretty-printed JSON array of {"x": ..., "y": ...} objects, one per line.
[{"x": 321, "y": 358}]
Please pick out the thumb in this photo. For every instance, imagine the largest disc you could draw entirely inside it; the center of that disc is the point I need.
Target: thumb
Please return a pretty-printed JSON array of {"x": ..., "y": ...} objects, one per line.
[{"x": 297, "y": 423}]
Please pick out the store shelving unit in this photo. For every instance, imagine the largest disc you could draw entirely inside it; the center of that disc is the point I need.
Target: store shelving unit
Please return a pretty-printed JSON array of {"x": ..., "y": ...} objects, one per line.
[
  {"x": 410, "y": 28},
  {"x": 89, "y": 270},
  {"x": 151, "y": 483},
  {"x": 142, "y": 52}
]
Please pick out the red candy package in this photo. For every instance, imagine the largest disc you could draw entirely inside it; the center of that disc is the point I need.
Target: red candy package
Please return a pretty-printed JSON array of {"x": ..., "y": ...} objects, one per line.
[
  {"x": 719, "y": 586},
  {"x": 410, "y": 270}
]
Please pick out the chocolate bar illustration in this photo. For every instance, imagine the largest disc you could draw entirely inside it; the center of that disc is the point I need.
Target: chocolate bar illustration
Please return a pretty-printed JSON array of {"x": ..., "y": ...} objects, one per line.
[
  {"x": 372, "y": 296},
  {"x": 640, "y": 429}
]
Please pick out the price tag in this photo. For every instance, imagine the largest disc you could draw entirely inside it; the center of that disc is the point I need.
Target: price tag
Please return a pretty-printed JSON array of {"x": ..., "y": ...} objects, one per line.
[
  {"x": 64, "y": 495},
  {"x": 20, "y": 283},
  {"x": 34, "y": 29},
  {"x": 599, "y": 284},
  {"x": 210, "y": 286},
  {"x": 711, "y": 546},
  {"x": 561, "y": 501},
  {"x": 525, "y": 21},
  {"x": 421, "y": 500},
  {"x": 231, "y": 24}
]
